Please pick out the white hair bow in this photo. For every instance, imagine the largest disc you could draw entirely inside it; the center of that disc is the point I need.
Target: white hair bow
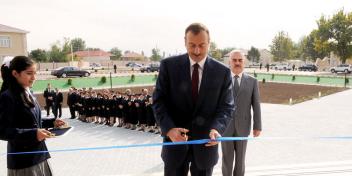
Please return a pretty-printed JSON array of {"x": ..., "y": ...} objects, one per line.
[{"x": 7, "y": 60}]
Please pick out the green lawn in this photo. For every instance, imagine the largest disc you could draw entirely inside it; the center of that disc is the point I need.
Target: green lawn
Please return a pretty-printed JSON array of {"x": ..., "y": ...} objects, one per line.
[
  {"x": 40, "y": 85},
  {"x": 61, "y": 83},
  {"x": 302, "y": 79}
]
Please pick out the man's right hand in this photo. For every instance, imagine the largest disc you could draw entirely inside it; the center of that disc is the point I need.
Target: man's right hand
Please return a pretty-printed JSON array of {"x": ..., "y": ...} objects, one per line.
[
  {"x": 178, "y": 134},
  {"x": 42, "y": 134}
]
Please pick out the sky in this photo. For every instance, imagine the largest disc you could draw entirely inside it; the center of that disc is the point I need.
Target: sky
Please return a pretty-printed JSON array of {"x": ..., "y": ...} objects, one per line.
[{"x": 140, "y": 25}]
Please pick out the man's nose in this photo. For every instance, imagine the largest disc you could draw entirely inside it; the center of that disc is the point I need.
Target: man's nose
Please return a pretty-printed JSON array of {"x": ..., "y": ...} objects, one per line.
[{"x": 197, "y": 50}]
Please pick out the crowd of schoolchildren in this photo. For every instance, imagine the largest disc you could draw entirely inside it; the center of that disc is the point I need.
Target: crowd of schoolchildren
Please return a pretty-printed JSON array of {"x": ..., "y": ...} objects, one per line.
[{"x": 113, "y": 108}]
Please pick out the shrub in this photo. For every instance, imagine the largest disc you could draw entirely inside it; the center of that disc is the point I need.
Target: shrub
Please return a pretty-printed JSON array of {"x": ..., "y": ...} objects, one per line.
[
  {"x": 293, "y": 78},
  {"x": 133, "y": 78},
  {"x": 318, "y": 79},
  {"x": 263, "y": 81},
  {"x": 69, "y": 81},
  {"x": 255, "y": 74},
  {"x": 103, "y": 79},
  {"x": 272, "y": 76},
  {"x": 347, "y": 81}
]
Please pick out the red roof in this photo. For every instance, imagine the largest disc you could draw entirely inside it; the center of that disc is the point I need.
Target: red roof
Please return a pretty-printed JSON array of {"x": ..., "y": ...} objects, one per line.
[
  {"x": 91, "y": 53},
  {"x": 4, "y": 28}
]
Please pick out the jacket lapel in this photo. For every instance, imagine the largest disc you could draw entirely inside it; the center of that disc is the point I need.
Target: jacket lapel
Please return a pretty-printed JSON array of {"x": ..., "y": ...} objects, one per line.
[
  {"x": 242, "y": 85},
  {"x": 203, "y": 85},
  {"x": 35, "y": 112},
  {"x": 185, "y": 73}
]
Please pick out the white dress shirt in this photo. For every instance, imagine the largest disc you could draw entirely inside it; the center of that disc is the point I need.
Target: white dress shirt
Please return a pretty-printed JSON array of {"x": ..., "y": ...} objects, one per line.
[
  {"x": 200, "y": 69},
  {"x": 239, "y": 78}
]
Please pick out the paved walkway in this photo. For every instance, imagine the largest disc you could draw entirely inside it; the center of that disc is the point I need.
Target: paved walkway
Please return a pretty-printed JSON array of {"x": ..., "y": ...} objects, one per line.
[{"x": 327, "y": 116}]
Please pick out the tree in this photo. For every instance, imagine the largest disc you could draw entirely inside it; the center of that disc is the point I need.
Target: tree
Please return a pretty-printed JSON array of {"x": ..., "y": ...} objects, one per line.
[
  {"x": 66, "y": 47},
  {"x": 311, "y": 48},
  {"x": 281, "y": 47},
  {"x": 78, "y": 44},
  {"x": 225, "y": 51},
  {"x": 39, "y": 55},
  {"x": 155, "y": 54},
  {"x": 337, "y": 33},
  {"x": 56, "y": 53},
  {"x": 214, "y": 51},
  {"x": 253, "y": 55},
  {"x": 116, "y": 52}
]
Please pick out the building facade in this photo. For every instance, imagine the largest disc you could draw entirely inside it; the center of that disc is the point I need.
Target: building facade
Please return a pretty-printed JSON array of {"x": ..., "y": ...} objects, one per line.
[{"x": 13, "y": 41}]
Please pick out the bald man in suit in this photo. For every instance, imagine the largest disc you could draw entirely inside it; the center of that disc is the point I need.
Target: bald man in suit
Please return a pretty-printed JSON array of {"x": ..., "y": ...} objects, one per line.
[{"x": 246, "y": 95}]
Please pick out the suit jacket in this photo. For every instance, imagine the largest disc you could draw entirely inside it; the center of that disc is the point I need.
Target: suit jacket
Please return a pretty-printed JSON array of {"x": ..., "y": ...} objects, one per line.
[
  {"x": 173, "y": 107},
  {"x": 247, "y": 98},
  {"x": 58, "y": 98},
  {"x": 48, "y": 94},
  {"x": 18, "y": 126}
]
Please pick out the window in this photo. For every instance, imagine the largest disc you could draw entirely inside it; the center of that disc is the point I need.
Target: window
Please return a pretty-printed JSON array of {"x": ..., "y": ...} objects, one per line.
[{"x": 5, "y": 42}]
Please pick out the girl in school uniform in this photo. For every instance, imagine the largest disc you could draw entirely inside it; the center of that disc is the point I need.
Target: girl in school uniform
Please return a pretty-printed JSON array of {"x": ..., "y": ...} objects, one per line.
[{"x": 20, "y": 120}]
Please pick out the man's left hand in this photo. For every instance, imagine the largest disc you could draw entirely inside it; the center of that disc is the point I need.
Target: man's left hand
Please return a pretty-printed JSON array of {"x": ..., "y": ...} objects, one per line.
[
  {"x": 213, "y": 135},
  {"x": 256, "y": 133},
  {"x": 58, "y": 123}
]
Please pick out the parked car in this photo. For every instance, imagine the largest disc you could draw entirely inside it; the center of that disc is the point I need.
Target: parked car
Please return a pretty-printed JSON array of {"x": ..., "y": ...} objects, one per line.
[
  {"x": 151, "y": 68},
  {"x": 345, "y": 68},
  {"x": 282, "y": 67},
  {"x": 308, "y": 67},
  {"x": 63, "y": 72},
  {"x": 133, "y": 65},
  {"x": 95, "y": 66}
]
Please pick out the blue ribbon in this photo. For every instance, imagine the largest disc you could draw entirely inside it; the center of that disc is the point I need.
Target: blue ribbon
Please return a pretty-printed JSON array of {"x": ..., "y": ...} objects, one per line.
[{"x": 193, "y": 142}]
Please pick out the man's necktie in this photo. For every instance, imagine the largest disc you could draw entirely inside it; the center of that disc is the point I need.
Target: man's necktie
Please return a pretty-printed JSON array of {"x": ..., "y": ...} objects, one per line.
[
  {"x": 236, "y": 86},
  {"x": 195, "y": 82}
]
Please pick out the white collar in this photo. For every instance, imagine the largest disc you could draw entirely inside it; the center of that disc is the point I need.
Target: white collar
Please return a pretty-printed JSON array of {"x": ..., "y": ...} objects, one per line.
[
  {"x": 239, "y": 75},
  {"x": 200, "y": 63}
]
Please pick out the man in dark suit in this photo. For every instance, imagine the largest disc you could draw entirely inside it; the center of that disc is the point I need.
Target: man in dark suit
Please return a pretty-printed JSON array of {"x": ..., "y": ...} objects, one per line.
[
  {"x": 49, "y": 98},
  {"x": 246, "y": 95},
  {"x": 71, "y": 100},
  {"x": 57, "y": 106},
  {"x": 192, "y": 100}
]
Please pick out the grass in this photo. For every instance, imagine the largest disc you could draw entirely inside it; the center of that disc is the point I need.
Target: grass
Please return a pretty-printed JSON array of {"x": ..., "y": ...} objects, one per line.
[
  {"x": 61, "y": 83},
  {"x": 302, "y": 79}
]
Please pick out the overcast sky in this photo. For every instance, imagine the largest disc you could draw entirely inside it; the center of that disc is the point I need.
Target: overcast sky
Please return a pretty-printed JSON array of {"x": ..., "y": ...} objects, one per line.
[{"x": 140, "y": 25}]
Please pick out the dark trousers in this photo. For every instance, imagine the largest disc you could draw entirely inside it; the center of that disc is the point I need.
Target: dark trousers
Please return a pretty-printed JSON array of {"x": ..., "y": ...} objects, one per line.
[
  {"x": 57, "y": 109},
  {"x": 47, "y": 107},
  {"x": 72, "y": 112},
  {"x": 187, "y": 165}
]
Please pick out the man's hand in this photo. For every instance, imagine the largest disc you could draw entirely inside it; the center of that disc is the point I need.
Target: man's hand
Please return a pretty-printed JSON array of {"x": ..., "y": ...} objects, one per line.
[
  {"x": 213, "y": 135},
  {"x": 42, "y": 134},
  {"x": 178, "y": 134},
  {"x": 256, "y": 133},
  {"x": 58, "y": 123}
]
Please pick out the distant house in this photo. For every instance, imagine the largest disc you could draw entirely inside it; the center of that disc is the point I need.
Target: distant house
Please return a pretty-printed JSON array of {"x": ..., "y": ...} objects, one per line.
[
  {"x": 92, "y": 56},
  {"x": 265, "y": 56},
  {"x": 13, "y": 41},
  {"x": 133, "y": 56}
]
